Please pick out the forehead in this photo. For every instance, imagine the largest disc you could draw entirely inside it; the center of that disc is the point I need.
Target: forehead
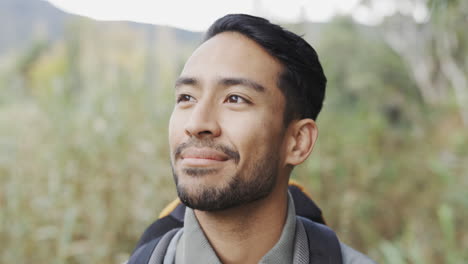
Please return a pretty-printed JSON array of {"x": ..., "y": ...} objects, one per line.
[{"x": 231, "y": 54}]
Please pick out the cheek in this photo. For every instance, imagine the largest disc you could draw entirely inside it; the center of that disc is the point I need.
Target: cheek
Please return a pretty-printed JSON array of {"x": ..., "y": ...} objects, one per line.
[
  {"x": 252, "y": 135},
  {"x": 176, "y": 128}
]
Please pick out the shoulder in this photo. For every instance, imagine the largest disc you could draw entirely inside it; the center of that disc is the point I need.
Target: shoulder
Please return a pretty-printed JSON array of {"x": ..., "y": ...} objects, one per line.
[
  {"x": 154, "y": 249},
  {"x": 322, "y": 239},
  {"x": 352, "y": 256}
]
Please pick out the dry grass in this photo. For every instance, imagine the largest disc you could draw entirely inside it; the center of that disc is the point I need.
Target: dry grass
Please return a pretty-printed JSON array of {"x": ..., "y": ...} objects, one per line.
[{"x": 84, "y": 171}]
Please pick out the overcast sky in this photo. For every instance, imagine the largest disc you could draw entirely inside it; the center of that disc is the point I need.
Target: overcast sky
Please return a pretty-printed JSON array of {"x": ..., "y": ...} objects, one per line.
[{"x": 197, "y": 15}]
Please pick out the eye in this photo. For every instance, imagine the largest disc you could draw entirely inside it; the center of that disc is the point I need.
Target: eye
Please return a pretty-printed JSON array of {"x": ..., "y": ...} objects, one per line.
[
  {"x": 185, "y": 98},
  {"x": 236, "y": 99}
]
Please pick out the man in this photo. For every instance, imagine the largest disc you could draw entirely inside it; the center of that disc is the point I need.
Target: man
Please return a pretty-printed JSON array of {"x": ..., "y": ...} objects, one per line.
[{"x": 244, "y": 115}]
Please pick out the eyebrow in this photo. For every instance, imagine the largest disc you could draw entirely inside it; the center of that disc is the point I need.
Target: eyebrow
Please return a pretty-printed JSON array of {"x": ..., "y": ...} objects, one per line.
[
  {"x": 186, "y": 81},
  {"x": 244, "y": 82},
  {"x": 231, "y": 81}
]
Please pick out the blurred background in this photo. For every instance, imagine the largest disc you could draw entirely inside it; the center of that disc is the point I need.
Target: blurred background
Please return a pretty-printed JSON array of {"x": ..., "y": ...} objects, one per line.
[{"x": 84, "y": 106}]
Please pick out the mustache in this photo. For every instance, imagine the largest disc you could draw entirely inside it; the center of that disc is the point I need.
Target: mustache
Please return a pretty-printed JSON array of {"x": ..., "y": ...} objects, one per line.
[{"x": 228, "y": 151}]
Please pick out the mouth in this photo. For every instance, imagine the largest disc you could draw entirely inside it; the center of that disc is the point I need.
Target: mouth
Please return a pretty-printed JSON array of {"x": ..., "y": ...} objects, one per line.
[{"x": 202, "y": 157}]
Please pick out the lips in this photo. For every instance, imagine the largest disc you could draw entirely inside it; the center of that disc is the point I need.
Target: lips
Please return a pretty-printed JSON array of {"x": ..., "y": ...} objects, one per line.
[{"x": 203, "y": 154}]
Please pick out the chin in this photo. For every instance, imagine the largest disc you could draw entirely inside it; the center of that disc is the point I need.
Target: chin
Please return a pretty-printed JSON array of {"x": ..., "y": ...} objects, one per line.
[
  {"x": 205, "y": 196},
  {"x": 216, "y": 189}
]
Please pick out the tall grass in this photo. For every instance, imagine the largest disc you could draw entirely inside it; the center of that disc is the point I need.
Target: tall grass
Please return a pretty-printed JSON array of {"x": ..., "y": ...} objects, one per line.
[{"x": 84, "y": 168}]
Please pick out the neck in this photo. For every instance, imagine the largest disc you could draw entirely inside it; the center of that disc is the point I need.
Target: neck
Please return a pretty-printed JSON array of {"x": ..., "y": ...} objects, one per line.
[{"x": 253, "y": 229}]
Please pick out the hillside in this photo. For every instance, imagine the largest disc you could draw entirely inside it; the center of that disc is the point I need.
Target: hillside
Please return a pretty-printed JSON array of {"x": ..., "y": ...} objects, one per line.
[{"x": 27, "y": 20}]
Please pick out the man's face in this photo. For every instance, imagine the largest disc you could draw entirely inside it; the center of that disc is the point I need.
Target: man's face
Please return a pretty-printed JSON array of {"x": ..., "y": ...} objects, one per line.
[{"x": 226, "y": 131}]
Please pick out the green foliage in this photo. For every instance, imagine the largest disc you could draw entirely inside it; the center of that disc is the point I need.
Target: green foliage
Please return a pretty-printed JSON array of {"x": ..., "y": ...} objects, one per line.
[
  {"x": 367, "y": 69},
  {"x": 84, "y": 162}
]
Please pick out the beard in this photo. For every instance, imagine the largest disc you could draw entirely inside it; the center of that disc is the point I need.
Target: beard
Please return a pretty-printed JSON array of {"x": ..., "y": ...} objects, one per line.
[{"x": 255, "y": 182}]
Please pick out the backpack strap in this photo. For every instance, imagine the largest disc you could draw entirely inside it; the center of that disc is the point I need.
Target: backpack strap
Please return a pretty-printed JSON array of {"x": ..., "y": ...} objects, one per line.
[
  {"x": 163, "y": 225},
  {"x": 144, "y": 253},
  {"x": 324, "y": 246},
  {"x": 303, "y": 203}
]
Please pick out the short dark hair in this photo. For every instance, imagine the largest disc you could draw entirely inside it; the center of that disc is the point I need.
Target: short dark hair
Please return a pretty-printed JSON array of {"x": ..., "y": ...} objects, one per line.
[{"x": 302, "y": 81}]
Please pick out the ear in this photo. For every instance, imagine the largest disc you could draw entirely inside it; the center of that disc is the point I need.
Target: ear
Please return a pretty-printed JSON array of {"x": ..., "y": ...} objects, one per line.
[{"x": 301, "y": 140}]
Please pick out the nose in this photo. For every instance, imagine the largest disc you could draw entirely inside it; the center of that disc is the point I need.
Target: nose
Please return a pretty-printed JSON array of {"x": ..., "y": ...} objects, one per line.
[{"x": 203, "y": 121}]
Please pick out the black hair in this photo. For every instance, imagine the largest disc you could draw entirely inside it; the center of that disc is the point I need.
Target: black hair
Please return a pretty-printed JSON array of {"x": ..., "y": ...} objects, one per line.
[{"x": 302, "y": 81}]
